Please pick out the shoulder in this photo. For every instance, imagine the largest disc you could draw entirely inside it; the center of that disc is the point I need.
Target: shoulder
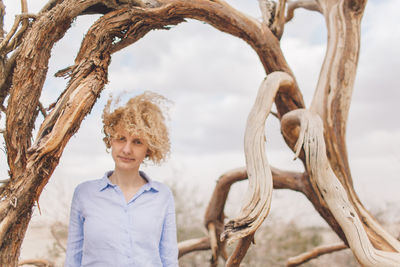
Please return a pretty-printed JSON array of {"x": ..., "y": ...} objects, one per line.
[
  {"x": 89, "y": 186},
  {"x": 162, "y": 187},
  {"x": 158, "y": 186}
]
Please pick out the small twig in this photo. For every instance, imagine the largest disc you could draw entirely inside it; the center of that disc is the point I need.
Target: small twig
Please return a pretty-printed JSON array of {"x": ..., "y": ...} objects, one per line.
[
  {"x": 191, "y": 245},
  {"x": 4, "y": 45},
  {"x": 4, "y": 181},
  {"x": 14, "y": 28},
  {"x": 64, "y": 72},
  {"x": 36, "y": 262},
  {"x": 212, "y": 233},
  {"x": 314, "y": 253},
  {"x": 14, "y": 202},
  {"x": 57, "y": 239},
  {"x": 306, "y": 4},
  {"x": 24, "y": 6},
  {"x": 42, "y": 109},
  {"x": 275, "y": 114}
]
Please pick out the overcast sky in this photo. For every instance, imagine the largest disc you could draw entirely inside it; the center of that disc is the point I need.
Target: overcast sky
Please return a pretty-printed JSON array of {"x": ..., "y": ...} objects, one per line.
[{"x": 213, "y": 78}]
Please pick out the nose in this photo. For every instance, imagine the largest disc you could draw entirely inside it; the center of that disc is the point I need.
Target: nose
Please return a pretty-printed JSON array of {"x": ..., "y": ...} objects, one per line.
[{"x": 127, "y": 149}]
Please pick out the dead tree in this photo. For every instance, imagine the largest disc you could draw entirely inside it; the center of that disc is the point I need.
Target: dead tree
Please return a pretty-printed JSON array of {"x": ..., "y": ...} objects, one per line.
[{"x": 316, "y": 133}]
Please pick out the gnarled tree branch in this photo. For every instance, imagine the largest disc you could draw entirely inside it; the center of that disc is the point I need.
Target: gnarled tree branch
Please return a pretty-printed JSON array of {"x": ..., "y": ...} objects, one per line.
[
  {"x": 306, "y": 4},
  {"x": 257, "y": 201},
  {"x": 311, "y": 138}
]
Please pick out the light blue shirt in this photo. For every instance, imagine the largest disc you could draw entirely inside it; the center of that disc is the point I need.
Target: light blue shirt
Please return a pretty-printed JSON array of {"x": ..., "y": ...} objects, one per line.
[{"x": 106, "y": 231}]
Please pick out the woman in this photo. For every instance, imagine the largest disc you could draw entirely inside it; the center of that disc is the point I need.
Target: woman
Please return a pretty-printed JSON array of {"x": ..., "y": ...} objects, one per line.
[{"x": 125, "y": 218}]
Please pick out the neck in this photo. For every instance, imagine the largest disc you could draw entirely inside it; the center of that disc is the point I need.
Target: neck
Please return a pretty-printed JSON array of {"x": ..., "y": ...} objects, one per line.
[{"x": 125, "y": 179}]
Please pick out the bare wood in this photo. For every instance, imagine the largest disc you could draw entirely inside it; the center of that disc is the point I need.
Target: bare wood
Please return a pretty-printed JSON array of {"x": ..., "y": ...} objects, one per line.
[
  {"x": 306, "y": 4},
  {"x": 5, "y": 81},
  {"x": 42, "y": 109},
  {"x": 191, "y": 245},
  {"x": 258, "y": 197},
  {"x": 24, "y": 6},
  {"x": 240, "y": 251},
  {"x": 311, "y": 138},
  {"x": 214, "y": 214},
  {"x": 279, "y": 21},
  {"x": 2, "y": 13},
  {"x": 30, "y": 81},
  {"x": 17, "y": 38},
  {"x": 332, "y": 102},
  {"x": 12, "y": 31},
  {"x": 28, "y": 180},
  {"x": 212, "y": 233},
  {"x": 267, "y": 11},
  {"x": 314, "y": 253}
]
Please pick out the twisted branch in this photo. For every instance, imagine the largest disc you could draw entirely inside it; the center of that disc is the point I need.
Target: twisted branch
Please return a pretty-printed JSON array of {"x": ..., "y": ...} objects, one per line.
[
  {"x": 258, "y": 197},
  {"x": 311, "y": 138}
]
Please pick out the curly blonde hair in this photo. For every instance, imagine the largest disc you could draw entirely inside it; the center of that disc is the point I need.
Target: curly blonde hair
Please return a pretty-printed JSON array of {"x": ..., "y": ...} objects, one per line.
[{"x": 141, "y": 116}]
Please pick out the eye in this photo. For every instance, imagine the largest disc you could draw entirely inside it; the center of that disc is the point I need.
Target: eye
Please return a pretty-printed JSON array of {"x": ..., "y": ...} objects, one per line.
[
  {"x": 137, "y": 142},
  {"x": 119, "y": 138}
]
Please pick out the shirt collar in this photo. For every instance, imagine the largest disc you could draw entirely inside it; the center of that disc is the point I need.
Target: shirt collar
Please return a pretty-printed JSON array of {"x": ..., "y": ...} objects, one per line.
[{"x": 105, "y": 182}]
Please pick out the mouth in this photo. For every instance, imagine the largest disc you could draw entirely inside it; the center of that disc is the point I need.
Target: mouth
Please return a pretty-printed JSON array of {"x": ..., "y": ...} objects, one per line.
[{"x": 125, "y": 158}]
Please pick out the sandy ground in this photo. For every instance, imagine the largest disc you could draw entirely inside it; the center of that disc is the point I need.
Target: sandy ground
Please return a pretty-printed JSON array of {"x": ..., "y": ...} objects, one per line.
[{"x": 38, "y": 244}]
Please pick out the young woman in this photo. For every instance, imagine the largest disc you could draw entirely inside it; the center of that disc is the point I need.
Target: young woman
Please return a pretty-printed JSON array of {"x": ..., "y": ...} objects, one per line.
[{"x": 126, "y": 219}]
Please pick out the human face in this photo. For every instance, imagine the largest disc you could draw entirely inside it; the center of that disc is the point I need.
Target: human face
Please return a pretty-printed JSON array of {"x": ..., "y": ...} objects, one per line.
[{"x": 128, "y": 151}]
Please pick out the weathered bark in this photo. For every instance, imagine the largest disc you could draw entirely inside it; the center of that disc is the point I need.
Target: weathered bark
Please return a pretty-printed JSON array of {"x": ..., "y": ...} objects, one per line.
[
  {"x": 258, "y": 197},
  {"x": 2, "y": 56},
  {"x": 332, "y": 100},
  {"x": 324, "y": 180},
  {"x": 29, "y": 172}
]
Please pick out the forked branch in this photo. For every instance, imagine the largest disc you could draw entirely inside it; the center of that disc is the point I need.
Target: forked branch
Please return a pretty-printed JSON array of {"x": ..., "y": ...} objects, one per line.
[{"x": 6, "y": 45}]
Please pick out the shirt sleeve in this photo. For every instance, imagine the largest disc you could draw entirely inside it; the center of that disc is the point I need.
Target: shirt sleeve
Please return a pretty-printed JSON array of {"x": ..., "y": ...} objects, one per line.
[
  {"x": 168, "y": 242},
  {"x": 75, "y": 233}
]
